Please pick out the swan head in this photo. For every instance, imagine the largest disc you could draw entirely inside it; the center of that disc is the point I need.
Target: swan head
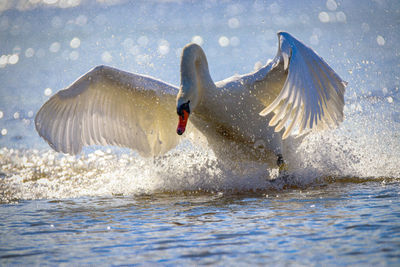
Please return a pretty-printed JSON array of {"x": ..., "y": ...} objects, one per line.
[
  {"x": 183, "y": 111},
  {"x": 195, "y": 79},
  {"x": 185, "y": 103}
]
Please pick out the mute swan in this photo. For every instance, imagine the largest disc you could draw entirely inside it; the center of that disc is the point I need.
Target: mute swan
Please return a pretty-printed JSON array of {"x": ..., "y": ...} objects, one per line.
[{"x": 245, "y": 116}]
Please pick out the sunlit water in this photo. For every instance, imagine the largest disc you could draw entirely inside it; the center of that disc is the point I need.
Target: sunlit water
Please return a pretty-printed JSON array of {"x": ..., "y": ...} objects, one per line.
[{"x": 339, "y": 205}]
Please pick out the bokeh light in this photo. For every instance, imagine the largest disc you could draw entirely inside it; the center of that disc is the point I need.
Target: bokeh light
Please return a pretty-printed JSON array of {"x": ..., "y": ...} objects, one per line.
[
  {"x": 29, "y": 52},
  {"x": 13, "y": 59},
  {"x": 55, "y": 47},
  {"x": 48, "y": 91},
  {"x": 75, "y": 42},
  {"x": 16, "y": 115},
  {"x": 323, "y": 17},
  {"x": 380, "y": 40},
  {"x": 223, "y": 41},
  {"x": 233, "y": 23},
  {"x": 197, "y": 39},
  {"x": 331, "y": 5}
]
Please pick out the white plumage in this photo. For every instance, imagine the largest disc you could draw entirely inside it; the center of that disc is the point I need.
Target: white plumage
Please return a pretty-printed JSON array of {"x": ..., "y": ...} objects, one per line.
[
  {"x": 107, "y": 106},
  {"x": 312, "y": 93},
  {"x": 294, "y": 93}
]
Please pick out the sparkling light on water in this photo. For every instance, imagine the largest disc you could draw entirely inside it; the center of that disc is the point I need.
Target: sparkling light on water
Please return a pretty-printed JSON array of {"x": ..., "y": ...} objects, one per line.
[
  {"x": 55, "y": 47},
  {"x": 69, "y": 3},
  {"x": 331, "y": 5},
  {"x": 16, "y": 115},
  {"x": 13, "y": 59},
  {"x": 75, "y": 42},
  {"x": 23, "y": 5},
  {"x": 323, "y": 17},
  {"x": 197, "y": 39},
  {"x": 380, "y": 40},
  {"x": 50, "y": 2},
  {"x": 331, "y": 17},
  {"x": 341, "y": 16},
  {"x": 233, "y": 23},
  {"x": 3, "y": 61},
  {"x": 48, "y": 91},
  {"x": 8, "y": 60},
  {"x": 29, "y": 52},
  {"x": 223, "y": 41}
]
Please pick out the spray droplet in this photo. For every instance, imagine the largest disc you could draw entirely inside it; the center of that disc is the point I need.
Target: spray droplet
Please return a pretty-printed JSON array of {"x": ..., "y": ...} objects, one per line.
[
  {"x": 380, "y": 40},
  {"x": 223, "y": 41},
  {"x": 75, "y": 42},
  {"x": 47, "y": 91}
]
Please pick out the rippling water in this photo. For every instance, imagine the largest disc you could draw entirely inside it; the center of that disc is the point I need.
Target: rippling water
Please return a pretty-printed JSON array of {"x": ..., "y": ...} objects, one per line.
[
  {"x": 335, "y": 224},
  {"x": 108, "y": 206}
]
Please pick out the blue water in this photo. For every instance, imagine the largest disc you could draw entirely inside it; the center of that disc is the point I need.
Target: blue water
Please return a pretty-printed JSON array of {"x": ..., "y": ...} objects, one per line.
[
  {"x": 322, "y": 226},
  {"x": 108, "y": 206}
]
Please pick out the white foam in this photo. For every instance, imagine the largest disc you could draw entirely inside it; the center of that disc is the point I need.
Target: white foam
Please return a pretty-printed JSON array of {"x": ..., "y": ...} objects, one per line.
[{"x": 366, "y": 146}]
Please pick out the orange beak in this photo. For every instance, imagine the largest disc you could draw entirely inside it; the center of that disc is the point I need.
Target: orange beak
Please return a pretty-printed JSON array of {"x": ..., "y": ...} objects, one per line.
[{"x": 183, "y": 119}]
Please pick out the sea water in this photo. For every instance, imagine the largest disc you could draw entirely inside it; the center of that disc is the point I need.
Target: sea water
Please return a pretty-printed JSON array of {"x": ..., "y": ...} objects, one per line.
[{"x": 109, "y": 206}]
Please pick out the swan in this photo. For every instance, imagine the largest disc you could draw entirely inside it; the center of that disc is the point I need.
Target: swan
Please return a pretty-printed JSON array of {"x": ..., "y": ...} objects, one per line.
[{"x": 243, "y": 117}]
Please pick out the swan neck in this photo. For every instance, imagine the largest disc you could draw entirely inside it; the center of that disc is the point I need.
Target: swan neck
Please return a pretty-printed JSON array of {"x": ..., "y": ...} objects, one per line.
[{"x": 194, "y": 71}]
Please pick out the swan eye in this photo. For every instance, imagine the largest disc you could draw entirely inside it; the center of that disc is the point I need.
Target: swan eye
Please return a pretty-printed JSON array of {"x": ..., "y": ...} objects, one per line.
[{"x": 181, "y": 108}]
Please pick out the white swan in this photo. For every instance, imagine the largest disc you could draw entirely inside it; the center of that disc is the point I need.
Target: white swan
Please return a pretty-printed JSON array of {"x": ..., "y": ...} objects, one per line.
[{"x": 242, "y": 116}]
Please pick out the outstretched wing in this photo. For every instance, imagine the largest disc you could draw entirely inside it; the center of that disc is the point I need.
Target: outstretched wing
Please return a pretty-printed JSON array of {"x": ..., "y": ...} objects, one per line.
[
  {"x": 300, "y": 88},
  {"x": 107, "y": 106}
]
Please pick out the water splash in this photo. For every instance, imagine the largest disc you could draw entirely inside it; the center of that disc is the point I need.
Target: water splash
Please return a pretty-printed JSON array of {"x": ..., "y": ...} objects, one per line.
[
  {"x": 340, "y": 155},
  {"x": 34, "y": 174}
]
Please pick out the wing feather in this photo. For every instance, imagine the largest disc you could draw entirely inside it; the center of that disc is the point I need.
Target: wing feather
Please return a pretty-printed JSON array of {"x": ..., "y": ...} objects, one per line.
[
  {"x": 107, "y": 106},
  {"x": 312, "y": 95}
]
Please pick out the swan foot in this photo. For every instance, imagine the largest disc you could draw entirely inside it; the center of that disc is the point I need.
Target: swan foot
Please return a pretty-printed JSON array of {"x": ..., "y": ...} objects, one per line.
[{"x": 281, "y": 164}]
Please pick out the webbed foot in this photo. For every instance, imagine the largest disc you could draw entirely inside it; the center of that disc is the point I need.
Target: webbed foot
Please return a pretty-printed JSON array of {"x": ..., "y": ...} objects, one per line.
[{"x": 281, "y": 164}]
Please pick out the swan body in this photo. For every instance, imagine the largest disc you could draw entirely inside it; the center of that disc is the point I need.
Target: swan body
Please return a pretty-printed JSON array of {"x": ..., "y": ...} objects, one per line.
[{"x": 247, "y": 116}]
